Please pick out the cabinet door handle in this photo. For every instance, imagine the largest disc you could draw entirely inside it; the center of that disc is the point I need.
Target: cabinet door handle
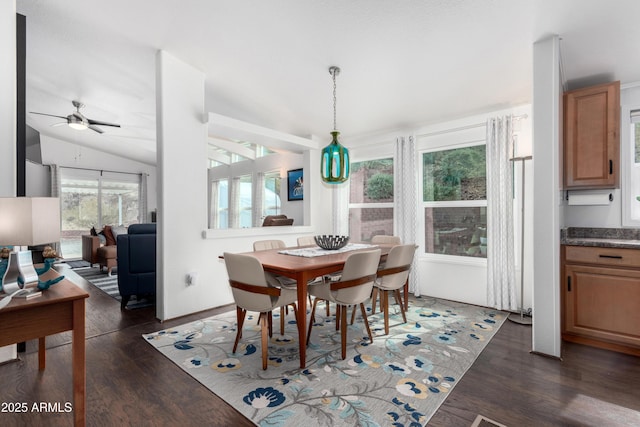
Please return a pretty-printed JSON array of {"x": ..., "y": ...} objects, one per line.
[
  {"x": 568, "y": 283},
  {"x": 611, "y": 256},
  {"x": 610, "y": 167}
]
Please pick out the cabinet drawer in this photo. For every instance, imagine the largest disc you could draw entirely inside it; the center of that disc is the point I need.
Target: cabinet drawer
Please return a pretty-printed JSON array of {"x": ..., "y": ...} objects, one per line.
[{"x": 602, "y": 256}]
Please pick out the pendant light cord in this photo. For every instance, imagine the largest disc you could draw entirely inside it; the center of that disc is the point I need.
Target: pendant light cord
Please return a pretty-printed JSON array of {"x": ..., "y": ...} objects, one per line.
[
  {"x": 334, "y": 71},
  {"x": 334, "y": 101}
]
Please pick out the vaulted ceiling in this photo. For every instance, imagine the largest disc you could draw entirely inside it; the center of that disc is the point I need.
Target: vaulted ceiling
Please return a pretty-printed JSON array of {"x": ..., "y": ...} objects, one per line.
[{"x": 266, "y": 62}]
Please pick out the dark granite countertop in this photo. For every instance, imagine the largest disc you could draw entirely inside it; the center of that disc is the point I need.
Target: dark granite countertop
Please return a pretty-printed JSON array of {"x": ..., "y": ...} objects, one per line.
[{"x": 626, "y": 238}]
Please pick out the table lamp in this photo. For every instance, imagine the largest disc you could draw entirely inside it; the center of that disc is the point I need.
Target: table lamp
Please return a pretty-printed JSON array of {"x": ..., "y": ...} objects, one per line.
[{"x": 26, "y": 221}]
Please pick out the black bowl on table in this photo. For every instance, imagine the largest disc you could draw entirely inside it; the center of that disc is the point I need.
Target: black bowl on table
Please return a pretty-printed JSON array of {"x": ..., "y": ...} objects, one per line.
[{"x": 331, "y": 242}]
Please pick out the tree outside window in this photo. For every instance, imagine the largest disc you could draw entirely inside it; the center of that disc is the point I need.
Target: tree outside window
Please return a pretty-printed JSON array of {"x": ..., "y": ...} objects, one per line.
[
  {"x": 455, "y": 201},
  {"x": 371, "y": 199}
]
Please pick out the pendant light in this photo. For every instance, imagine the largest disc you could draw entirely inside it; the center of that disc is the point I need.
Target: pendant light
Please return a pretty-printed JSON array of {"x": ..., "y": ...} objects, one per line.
[{"x": 335, "y": 157}]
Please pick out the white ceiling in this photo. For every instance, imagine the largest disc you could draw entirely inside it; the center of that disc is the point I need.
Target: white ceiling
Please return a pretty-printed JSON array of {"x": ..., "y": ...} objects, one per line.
[{"x": 403, "y": 62}]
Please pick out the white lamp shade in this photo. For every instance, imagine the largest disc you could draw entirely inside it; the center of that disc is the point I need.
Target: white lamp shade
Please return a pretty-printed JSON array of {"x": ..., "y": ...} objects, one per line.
[{"x": 28, "y": 221}]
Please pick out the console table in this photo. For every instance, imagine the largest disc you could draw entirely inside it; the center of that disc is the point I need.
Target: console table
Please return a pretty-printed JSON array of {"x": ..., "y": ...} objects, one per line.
[{"x": 59, "y": 309}]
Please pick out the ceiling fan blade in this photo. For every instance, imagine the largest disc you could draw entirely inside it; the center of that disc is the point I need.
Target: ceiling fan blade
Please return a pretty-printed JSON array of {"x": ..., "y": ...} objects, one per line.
[
  {"x": 97, "y": 129},
  {"x": 99, "y": 123},
  {"x": 59, "y": 124},
  {"x": 50, "y": 115}
]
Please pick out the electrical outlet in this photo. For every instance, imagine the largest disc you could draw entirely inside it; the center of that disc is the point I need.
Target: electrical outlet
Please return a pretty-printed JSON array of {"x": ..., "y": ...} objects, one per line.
[{"x": 191, "y": 278}]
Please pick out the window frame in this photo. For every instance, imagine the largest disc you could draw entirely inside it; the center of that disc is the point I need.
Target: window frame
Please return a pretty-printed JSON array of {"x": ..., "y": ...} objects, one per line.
[
  {"x": 627, "y": 162},
  {"x": 422, "y": 204},
  {"x": 102, "y": 179},
  {"x": 377, "y": 205},
  {"x": 275, "y": 175}
]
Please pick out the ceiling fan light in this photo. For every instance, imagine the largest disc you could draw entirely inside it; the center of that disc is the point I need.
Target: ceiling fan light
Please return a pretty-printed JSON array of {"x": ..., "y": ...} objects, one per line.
[
  {"x": 77, "y": 126},
  {"x": 76, "y": 123}
]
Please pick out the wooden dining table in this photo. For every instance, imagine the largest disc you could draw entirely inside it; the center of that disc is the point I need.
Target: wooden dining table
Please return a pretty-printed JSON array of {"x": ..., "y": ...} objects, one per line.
[{"x": 304, "y": 270}]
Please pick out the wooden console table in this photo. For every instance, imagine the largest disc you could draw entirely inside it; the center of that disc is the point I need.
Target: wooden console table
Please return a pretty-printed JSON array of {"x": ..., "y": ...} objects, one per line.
[{"x": 58, "y": 309}]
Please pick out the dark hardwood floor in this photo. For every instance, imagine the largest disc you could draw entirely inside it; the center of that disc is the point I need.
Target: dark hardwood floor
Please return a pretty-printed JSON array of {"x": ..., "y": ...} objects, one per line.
[{"x": 130, "y": 383}]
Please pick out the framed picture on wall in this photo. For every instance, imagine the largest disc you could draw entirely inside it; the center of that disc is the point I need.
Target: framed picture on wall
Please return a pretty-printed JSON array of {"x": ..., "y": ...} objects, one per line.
[{"x": 295, "y": 185}]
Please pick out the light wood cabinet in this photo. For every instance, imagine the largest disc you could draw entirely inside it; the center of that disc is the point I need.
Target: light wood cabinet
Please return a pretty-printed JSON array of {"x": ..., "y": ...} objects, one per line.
[
  {"x": 601, "y": 297},
  {"x": 592, "y": 137}
]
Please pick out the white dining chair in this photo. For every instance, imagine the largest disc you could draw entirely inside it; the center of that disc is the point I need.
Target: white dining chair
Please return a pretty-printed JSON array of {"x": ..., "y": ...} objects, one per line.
[
  {"x": 382, "y": 240},
  {"x": 263, "y": 245},
  {"x": 392, "y": 278},
  {"x": 353, "y": 288},
  {"x": 274, "y": 279},
  {"x": 306, "y": 241},
  {"x": 251, "y": 292},
  {"x": 387, "y": 240}
]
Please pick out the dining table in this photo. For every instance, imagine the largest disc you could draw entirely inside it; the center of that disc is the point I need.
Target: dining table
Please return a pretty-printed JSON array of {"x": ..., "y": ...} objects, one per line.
[{"x": 305, "y": 269}]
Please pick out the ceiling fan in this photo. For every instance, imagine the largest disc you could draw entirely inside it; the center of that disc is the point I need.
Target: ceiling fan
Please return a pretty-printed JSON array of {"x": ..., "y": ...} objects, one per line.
[{"x": 78, "y": 121}]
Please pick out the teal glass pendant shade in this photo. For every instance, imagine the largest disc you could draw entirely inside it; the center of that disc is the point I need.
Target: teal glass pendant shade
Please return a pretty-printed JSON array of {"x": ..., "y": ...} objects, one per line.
[{"x": 335, "y": 161}]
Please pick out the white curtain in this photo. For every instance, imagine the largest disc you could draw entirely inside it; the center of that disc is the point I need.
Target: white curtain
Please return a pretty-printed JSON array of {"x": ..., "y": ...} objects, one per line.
[
  {"x": 55, "y": 180},
  {"x": 55, "y": 192},
  {"x": 234, "y": 203},
  {"x": 405, "y": 209},
  {"x": 256, "y": 208},
  {"x": 501, "y": 281},
  {"x": 340, "y": 211},
  {"x": 143, "y": 215},
  {"x": 213, "y": 214}
]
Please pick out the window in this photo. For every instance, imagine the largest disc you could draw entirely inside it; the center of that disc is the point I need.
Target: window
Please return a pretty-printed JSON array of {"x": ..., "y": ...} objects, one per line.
[
  {"x": 371, "y": 199},
  {"x": 244, "y": 202},
  {"x": 454, "y": 195},
  {"x": 220, "y": 206},
  {"x": 631, "y": 188},
  {"x": 271, "y": 204},
  {"x": 88, "y": 199}
]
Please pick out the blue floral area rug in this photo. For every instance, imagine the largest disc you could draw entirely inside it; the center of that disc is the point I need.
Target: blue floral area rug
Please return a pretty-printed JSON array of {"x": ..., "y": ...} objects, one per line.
[{"x": 399, "y": 380}]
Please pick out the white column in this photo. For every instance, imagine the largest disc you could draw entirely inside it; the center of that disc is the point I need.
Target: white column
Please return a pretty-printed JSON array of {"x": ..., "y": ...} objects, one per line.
[
  {"x": 8, "y": 116},
  {"x": 182, "y": 187},
  {"x": 547, "y": 190}
]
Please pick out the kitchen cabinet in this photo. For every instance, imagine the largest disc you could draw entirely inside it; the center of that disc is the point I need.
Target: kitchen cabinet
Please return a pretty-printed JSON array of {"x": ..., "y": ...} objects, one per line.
[
  {"x": 601, "y": 297},
  {"x": 592, "y": 137}
]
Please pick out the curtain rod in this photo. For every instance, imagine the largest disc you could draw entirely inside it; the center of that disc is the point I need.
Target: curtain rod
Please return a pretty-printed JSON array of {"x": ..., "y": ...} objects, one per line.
[
  {"x": 101, "y": 170},
  {"x": 473, "y": 126}
]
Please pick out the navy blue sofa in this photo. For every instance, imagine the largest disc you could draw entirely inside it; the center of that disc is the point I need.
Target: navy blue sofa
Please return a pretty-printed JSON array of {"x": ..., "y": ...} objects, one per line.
[{"x": 137, "y": 262}]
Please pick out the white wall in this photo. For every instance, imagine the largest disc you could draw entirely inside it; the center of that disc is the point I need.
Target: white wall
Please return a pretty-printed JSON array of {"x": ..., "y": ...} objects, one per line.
[
  {"x": 547, "y": 211},
  {"x": 182, "y": 206},
  {"x": 63, "y": 153},
  {"x": 465, "y": 279},
  {"x": 184, "y": 243},
  {"x": 449, "y": 277},
  {"x": 38, "y": 180}
]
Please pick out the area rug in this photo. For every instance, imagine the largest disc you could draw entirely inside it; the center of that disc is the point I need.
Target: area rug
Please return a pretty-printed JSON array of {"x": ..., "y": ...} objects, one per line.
[
  {"x": 78, "y": 264},
  {"x": 401, "y": 379},
  {"x": 109, "y": 285},
  {"x": 101, "y": 280}
]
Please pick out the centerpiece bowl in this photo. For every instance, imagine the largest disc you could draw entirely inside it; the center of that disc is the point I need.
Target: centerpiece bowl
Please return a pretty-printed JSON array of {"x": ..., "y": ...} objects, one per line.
[{"x": 331, "y": 242}]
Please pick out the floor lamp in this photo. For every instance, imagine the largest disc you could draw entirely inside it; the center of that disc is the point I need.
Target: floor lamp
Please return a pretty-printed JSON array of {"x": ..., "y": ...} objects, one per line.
[{"x": 515, "y": 317}]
